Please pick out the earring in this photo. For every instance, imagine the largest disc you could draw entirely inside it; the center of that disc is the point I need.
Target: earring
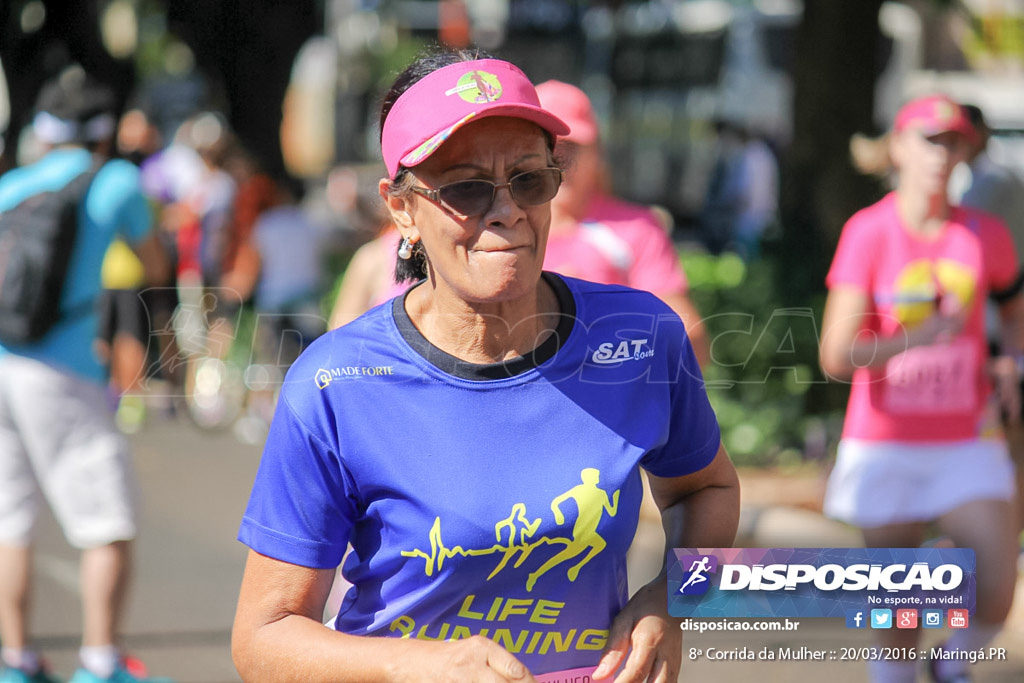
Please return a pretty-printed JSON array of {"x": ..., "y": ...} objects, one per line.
[{"x": 405, "y": 249}]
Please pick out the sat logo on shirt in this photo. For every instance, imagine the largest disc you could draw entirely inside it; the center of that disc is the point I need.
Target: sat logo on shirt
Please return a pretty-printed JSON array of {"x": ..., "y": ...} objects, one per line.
[{"x": 615, "y": 352}]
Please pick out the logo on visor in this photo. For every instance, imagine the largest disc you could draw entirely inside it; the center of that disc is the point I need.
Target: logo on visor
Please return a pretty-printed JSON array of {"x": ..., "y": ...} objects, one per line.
[
  {"x": 477, "y": 87},
  {"x": 944, "y": 112}
]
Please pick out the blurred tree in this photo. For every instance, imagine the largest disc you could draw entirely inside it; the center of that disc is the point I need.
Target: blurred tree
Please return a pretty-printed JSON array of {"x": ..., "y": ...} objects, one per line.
[
  {"x": 244, "y": 47},
  {"x": 839, "y": 49},
  {"x": 38, "y": 38},
  {"x": 836, "y": 68}
]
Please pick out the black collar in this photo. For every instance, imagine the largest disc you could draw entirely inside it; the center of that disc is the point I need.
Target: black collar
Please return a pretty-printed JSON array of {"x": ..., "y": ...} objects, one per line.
[{"x": 503, "y": 369}]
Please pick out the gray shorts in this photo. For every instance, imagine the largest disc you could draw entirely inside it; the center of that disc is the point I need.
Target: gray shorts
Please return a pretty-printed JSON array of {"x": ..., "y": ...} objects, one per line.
[{"x": 58, "y": 440}]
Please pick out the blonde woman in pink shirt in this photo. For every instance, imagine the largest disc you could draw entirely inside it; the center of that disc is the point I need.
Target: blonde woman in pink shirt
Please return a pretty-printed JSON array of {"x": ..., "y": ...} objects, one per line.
[{"x": 904, "y": 322}]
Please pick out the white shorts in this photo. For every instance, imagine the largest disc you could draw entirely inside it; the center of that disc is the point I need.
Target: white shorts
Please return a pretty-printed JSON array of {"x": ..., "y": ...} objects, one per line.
[
  {"x": 58, "y": 438},
  {"x": 875, "y": 483}
]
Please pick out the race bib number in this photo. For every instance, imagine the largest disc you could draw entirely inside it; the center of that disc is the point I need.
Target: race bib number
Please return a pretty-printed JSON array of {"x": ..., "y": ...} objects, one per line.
[
  {"x": 582, "y": 675},
  {"x": 933, "y": 379}
]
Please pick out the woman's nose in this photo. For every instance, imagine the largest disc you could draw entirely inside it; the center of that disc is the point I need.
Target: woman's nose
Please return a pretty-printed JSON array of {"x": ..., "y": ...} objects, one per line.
[{"x": 503, "y": 204}]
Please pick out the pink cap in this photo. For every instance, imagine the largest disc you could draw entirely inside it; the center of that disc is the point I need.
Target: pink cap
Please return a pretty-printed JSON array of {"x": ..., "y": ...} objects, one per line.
[
  {"x": 426, "y": 114},
  {"x": 572, "y": 105},
  {"x": 932, "y": 115}
]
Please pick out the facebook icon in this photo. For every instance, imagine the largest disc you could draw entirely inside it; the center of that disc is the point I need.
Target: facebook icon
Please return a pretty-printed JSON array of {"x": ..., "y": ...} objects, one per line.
[{"x": 855, "y": 618}]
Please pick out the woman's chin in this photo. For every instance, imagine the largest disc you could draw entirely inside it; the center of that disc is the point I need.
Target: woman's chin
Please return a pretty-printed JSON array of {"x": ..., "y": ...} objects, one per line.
[{"x": 503, "y": 276}]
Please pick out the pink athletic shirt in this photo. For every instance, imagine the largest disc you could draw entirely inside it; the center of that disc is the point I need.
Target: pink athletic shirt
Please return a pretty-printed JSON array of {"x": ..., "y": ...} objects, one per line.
[
  {"x": 935, "y": 392},
  {"x": 618, "y": 243}
]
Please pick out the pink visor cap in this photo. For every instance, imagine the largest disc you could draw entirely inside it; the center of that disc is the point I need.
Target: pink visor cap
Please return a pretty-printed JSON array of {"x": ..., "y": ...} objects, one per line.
[
  {"x": 933, "y": 115},
  {"x": 426, "y": 115}
]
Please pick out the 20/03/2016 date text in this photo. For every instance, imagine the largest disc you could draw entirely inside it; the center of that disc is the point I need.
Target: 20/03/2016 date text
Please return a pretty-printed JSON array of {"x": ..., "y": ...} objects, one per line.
[
  {"x": 845, "y": 654},
  {"x": 910, "y": 653}
]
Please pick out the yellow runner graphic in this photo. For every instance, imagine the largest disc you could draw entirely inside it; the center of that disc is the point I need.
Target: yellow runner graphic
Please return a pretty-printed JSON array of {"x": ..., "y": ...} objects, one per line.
[{"x": 591, "y": 503}]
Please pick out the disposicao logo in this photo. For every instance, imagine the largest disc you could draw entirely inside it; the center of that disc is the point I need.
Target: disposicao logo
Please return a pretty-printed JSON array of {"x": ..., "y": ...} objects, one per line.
[{"x": 819, "y": 582}]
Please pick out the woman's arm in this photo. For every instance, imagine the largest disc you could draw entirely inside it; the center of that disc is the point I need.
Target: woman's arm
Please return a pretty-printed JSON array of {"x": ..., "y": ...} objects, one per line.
[
  {"x": 355, "y": 294},
  {"x": 698, "y": 510},
  {"x": 1005, "y": 368},
  {"x": 278, "y": 637},
  {"x": 683, "y": 305},
  {"x": 843, "y": 348}
]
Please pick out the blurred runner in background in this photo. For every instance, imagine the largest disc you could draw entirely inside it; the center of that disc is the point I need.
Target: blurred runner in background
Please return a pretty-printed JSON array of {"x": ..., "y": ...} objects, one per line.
[
  {"x": 57, "y": 434},
  {"x": 596, "y": 236},
  {"x": 904, "y": 319}
]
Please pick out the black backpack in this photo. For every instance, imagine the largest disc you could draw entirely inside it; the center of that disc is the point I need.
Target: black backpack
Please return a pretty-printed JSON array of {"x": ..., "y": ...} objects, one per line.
[{"x": 36, "y": 240}]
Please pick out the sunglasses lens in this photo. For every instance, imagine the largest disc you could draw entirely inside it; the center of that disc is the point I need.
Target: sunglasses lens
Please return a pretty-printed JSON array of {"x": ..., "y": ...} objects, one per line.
[
  {"x": 474, "y": 197},
  {"x": 535, "y": 187},
  {"x": 468, "y": 197}
]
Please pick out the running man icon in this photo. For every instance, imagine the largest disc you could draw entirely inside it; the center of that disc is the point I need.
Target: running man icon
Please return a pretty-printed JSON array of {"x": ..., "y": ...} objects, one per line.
[{"x": 696, "y": 581}]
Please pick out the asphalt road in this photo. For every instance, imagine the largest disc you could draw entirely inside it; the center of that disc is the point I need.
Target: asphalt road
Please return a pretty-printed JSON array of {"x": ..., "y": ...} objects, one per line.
[{"x": 189, "y": 565}]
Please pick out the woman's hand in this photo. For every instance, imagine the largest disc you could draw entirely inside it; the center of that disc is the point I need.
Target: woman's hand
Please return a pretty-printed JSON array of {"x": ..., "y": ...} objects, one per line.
[
  {"x": 278, "y": 638},
  {"x": 844, "y": 348},
  {"x": 698, "y": 510},
  {"x": 1006, "y": 384},
  {"x": 475, "y": 659},
  {"x": 938, "y": 328},
  {"x": 646, "y": 638}
]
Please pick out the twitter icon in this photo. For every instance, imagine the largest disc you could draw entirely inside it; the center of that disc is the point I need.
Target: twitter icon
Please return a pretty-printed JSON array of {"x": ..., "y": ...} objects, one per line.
[{"x": 881, "y": 618}]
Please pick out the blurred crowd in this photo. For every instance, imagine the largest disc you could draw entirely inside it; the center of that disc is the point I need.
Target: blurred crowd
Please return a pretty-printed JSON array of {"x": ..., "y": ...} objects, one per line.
[
  {"x": 254, "y": 264},
  {"x": 250, "y": 259}
]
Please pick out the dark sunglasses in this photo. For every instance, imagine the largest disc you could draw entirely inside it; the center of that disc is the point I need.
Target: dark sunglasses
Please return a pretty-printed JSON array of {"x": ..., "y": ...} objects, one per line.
[{"x": 474, "y": 197}]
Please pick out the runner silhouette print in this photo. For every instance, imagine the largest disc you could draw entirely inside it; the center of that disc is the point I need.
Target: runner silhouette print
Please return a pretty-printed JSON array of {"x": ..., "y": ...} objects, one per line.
[{"x": 591, "y": 504}]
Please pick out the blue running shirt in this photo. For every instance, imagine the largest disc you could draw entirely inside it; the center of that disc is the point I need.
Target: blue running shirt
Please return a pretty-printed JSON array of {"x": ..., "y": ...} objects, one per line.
[{"x": 497, "y": 500}]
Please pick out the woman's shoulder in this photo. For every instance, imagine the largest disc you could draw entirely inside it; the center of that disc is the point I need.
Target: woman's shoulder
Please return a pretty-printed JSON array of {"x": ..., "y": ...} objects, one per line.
[
  {"x": 357, "y": 343},
  {"x": 979, "y": 220},
  {"x": 594, "y": 299},
  {"x": 877, "y": 214},
  {"x": 118, "y": 178}
]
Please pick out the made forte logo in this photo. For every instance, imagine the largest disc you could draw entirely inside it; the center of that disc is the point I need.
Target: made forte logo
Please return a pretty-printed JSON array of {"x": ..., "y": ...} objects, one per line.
[{"x": 323, "y": 377}]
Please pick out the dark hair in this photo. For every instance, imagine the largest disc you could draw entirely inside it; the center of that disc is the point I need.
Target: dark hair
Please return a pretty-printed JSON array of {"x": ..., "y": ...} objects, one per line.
[
  {"x": 427, "y": 63},
  {"x": 977, "y": 118},
  {"x": 415, "y": 268}
]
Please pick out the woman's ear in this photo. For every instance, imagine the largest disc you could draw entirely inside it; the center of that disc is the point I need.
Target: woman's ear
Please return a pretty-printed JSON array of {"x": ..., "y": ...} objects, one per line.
[{"x": 397, "y": 206}]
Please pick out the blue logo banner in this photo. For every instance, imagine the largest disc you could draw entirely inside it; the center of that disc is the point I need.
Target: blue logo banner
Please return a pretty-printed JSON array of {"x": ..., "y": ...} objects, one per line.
[{"x": 818, "y": 582}]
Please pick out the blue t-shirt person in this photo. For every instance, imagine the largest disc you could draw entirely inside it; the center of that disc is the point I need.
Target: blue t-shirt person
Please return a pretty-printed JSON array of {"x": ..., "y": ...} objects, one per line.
[
  {"x": 114, "y": 206},
  {"x": 497, "y": 500}
]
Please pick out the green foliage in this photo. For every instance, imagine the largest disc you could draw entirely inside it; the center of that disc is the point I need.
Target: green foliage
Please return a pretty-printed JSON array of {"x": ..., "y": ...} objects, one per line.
[
  {"x": 995, "y": 36},
  {"x": 763, "y": 380}
]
